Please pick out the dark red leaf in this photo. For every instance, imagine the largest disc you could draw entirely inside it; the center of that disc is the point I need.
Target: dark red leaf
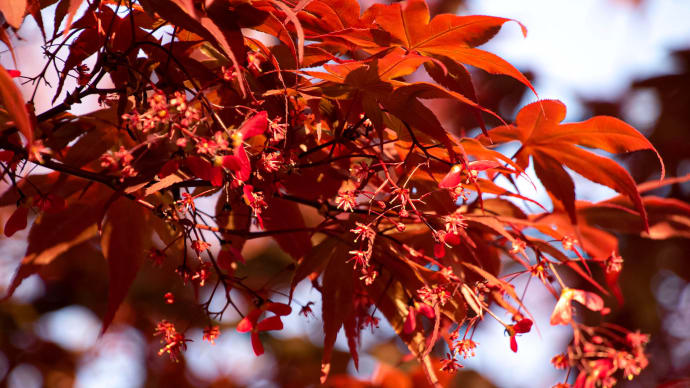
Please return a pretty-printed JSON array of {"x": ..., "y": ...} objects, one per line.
[
  {"x": 285, "y": 215},
  {"x": 69, "y": 8},
  {"x": 54, "y": 234},
  {"x": 50, "y": 203},
  {"x": 232, "y": 162},
  {"x": 338, "y": 283},
  {"x": 125, "y": 241},
  {"x": 203, "y": 169},
  {"x": 6, "y": 156},
  {"x": 17, "y": 221},
  {"x": 169, "y": 167},
  {"x": 426, "y": 310}
]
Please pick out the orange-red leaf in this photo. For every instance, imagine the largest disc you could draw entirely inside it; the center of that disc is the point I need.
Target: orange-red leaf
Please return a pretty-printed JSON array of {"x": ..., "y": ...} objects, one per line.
[
  {"x": 668, "y": 217},
  {"x": 452, "y": 36},
  {"x": 65, "y": 7},
  {"x": 14, "y": 11},
  {"x": 11, "y": 98},
  {"x": 256, "y": 125},
  {"x": 553, "y": 145}
]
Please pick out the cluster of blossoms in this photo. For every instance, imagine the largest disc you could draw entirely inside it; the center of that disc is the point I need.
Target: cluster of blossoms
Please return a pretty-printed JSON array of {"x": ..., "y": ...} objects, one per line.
[
  {"x": 175, "y": 342},
  {"x": 453, "y": 234},
  {"x": 36, "y": 151},
  {"x": 464, "y": 348},
  {"x": 517, "y": 246},
  {"x": 613, "y": 264},
  {"x": 362, "y": 306},
  {"x": 162, "y": 112},
  {"x": 365, "y": 235},
  {"x": 347, "y": 200},
  {"x": 211, "y": 333},
  {"x": 601, "y": 353},
  {"x": 157, "y": 256},
  {"x": 359, "y": 171},
  {"x": 199, "y": 276},
  {"x": 254, "y": 62},
  {"x": 119, "y": 161},
  {"x": 434, "y": 295}
]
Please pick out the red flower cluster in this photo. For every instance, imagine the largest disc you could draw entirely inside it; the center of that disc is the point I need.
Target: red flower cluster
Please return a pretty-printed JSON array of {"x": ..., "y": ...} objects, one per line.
[
  {"x": 175, "y": 342},
  {"x": 211, "y": 333}
]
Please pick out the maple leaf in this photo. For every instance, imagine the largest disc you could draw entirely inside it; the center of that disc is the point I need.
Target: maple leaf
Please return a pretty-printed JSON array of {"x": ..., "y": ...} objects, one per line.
[
  {"x": 184, "y": 13},
  {"x": 17, "y": 221},
  {"x": 337, "y": 307},
  {"x": 553, "y": 145},
  {"x": 324, "y": 16},
  {"x": 11, "y": 98},
  {"x": 125, "y": 241},
  {"x": 668, "y": 217},
  {"x": 13, "y": 11},
  {"x": 285, "y": 215},
  {"x": 64, "y": 8},
  {"x": 452, "y": 36},
  {"x": 54, "y": 234}
]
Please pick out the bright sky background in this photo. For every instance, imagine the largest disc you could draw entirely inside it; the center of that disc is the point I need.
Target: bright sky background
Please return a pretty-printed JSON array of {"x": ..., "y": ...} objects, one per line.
[{"x": 590, "y": 48}]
